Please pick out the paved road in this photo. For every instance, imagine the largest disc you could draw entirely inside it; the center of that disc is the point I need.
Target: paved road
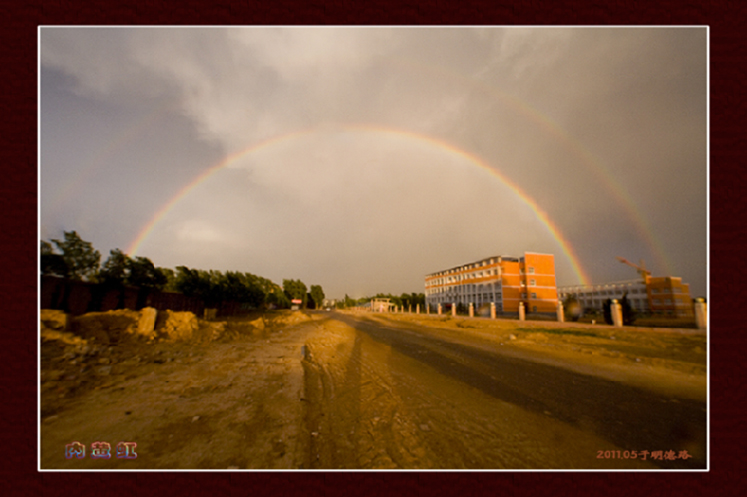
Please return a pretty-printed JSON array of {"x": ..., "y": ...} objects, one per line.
[{"x": 628, "y": 417}]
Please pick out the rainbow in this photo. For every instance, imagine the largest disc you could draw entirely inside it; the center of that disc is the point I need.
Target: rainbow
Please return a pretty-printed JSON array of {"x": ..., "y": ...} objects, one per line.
[
  {"x": 447, "y": 147},
  {"x": 593, "y": 165}
]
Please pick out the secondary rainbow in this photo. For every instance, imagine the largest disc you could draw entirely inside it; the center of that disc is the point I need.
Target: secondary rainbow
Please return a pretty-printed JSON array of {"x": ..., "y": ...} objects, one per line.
[
  {"x": 540, "y": 214},
  {"x": 588, "y": 160}
]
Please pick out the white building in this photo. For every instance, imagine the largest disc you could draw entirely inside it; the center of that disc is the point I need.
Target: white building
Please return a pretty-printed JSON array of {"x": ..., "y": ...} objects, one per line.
[{"x": 594, "y": 296}]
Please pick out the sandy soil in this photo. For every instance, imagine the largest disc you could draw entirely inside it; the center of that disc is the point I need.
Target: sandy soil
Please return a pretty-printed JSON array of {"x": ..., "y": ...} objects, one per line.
[
  {"x": 308, "y": 391},
  {"x": 669, "y": 360}
]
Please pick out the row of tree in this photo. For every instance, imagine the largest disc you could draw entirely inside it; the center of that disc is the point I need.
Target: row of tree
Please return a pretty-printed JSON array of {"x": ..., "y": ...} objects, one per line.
[{"x": 76, "y": 259}]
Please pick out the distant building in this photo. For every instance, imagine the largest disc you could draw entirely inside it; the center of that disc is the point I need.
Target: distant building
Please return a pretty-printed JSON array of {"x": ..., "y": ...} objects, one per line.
[
  {"x": 379, "y": 305},
  {"x": 506, "y": 281},
  {"x": 665, "y": 295},
  {"x": 593, "y": 296},
  {"x": 668, "y": 295}
]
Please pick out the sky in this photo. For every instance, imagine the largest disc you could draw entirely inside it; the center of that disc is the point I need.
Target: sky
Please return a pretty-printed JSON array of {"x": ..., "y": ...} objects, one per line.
[{"x": 363, "y": 158}]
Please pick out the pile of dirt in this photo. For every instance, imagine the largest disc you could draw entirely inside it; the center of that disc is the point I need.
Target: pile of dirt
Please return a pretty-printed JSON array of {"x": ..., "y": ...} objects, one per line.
[
  {"x": 113, "y": 327},
  {"x": 99, "y": 349},
  {"x": 288, "y": 318},
  {"x": 256, "y": 325},
  {"x": 53, "y": 320},
  {"x": 122, "y": 326},
  {"x": 172, "y": 325}
]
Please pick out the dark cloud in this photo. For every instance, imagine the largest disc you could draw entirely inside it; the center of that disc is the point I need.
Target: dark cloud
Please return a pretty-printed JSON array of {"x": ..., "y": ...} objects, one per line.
[{"x": 604, "y": 128}]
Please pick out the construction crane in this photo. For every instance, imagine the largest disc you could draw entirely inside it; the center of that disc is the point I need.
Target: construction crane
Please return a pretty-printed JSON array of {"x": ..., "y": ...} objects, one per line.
[{"x": 645, "y": 273}]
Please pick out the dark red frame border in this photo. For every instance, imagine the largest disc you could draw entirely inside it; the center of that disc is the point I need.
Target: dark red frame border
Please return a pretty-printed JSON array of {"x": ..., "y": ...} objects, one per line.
[{"x": 18, "y": 245}]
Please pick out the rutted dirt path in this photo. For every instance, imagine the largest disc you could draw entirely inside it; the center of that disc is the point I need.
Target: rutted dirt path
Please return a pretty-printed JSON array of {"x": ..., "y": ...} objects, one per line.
[
  {"x": 478, "y": 385},
  {"x": 356, "y": 417},
  {"x": 380, "y": 404},
  {"x": 317, "y": 393}
]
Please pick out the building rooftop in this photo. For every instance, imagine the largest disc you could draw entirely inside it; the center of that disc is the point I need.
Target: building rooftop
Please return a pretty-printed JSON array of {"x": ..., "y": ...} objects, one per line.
[{"x": 469, "y": 264}]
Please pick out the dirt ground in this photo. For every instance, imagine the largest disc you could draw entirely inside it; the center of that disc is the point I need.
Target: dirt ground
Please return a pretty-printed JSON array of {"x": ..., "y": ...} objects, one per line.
[
  {"x": 303, "y": 390},
  {"x": 669, "y": 360}
]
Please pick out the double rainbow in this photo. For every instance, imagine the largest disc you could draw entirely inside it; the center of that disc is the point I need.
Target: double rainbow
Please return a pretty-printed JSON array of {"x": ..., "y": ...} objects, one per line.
[{"x": 444, "y": 146}]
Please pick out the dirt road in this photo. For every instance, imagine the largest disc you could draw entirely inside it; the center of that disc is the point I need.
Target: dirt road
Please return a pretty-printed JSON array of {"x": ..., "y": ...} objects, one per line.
[{"x": 347, "y": 391}]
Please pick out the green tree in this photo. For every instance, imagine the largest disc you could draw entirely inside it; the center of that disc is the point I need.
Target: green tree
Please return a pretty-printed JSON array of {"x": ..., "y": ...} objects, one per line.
[
  {"x": 191, "y": 282},
  {"x": 273, "y": 295},
  {"x": 215, "y": 287},
  {"x": 143, "y": 274},
  {"x": 113, "y": 275},
  {"x": 406, "y": 300},
  {"x": 295, "y": 289},
  {"x": 50, "y": 262},
  {"x": 81, "y": 259},
  {"x": 276, "y": 298},
  {"x": 317, "y": 295},
  {"x": 349, "y": 302},
  {"x": 418, "y": 298},
  {"x": 116, "y": 268},
  {"x": 170, "y": 277},
  {"x": 244, "y": 288}
]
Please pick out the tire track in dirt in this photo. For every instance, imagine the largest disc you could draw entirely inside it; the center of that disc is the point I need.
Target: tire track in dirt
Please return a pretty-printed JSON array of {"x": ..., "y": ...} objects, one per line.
[
  {"x": 369, "y": 406},
  {"x": 628, "y": 417},
  {"x": 354, "y": 417}
]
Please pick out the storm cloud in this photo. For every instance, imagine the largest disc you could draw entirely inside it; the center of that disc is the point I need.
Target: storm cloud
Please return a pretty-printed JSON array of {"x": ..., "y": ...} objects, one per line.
[{"x": 363, "y": 158}]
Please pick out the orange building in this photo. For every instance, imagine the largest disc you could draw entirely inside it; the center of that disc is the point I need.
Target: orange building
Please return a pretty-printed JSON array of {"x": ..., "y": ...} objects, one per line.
[
  {"x": 667, "y": 295},
  {"x": 659, "y": 296},
  {"x": 502, "y": 280}
]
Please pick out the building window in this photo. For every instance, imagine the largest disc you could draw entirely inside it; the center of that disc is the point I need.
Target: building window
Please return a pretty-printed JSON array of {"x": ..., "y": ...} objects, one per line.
[
  {"x": 531, "y": 270},
  {"x": 534, "y": 295},
  {"x": 532, "y": 283}
]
